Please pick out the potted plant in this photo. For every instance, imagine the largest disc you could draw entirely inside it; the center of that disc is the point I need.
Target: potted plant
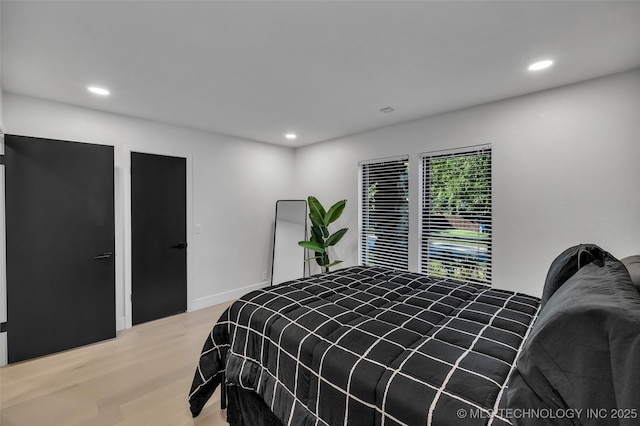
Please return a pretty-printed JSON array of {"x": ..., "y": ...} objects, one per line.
[{"x": 321, "y": 239}]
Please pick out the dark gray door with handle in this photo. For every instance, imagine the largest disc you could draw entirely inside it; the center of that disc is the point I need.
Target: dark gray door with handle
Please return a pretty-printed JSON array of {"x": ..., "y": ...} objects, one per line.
[
  {"x": 60, "y": 245},
  {"x": 158, "y": 236}
]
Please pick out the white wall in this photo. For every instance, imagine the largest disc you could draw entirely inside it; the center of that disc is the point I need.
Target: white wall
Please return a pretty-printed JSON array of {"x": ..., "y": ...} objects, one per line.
[
  {"x": 566, "y": 170},
  {"x": 235, "y": 184}
]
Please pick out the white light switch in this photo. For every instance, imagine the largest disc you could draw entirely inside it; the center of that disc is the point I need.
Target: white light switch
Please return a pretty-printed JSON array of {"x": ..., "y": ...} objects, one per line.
[{"x": 198, "y": 228}]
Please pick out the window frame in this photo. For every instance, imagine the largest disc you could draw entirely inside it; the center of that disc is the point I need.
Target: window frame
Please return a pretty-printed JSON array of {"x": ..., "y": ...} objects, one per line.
[
  {"x": 424, "y": 234},
  {"x": 398, "y": 262}
]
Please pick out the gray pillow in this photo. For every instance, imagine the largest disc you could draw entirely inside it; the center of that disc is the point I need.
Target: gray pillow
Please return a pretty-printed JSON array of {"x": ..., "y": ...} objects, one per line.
[
  {"x": 633, "y": 266},
  {"x": 567, "y": 263}
]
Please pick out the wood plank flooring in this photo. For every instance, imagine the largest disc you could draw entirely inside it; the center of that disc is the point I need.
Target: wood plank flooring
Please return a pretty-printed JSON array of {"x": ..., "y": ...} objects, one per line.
[{"x": 142, "y": 377}]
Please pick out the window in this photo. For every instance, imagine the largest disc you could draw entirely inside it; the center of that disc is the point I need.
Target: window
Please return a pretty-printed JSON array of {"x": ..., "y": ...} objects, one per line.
[
  {"x": 455, "y": 214},
  {"x": 384, "y": 213}
]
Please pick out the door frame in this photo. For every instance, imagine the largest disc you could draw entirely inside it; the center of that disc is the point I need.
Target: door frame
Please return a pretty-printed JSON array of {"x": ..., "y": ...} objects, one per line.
[
  {"x": 126, "y": 193},
  {"x": 3, "y": 263}
]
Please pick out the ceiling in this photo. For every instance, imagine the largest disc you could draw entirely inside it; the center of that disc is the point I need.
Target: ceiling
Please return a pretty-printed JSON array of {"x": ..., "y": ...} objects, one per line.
[{"x": 322, "y": 69}]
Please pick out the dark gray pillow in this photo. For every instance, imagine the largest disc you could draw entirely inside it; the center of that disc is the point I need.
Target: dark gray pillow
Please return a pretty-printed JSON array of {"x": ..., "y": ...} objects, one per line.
[
  {"x": 632, "y": 264},
  {"x": 567, "y": 264}
]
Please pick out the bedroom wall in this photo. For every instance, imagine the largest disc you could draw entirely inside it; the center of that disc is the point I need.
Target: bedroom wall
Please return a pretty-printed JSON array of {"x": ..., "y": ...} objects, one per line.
[
  {"x": 565, "y": 171},
  {"x": 235, "y": 184}
]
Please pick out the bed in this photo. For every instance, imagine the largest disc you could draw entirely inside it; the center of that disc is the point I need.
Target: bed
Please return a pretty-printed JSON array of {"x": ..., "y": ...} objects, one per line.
[{"x": 376, "y": 346}]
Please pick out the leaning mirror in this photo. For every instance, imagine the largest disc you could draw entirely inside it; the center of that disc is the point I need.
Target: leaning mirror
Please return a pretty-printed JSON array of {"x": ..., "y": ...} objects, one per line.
[{"x": 290, "y": 227}]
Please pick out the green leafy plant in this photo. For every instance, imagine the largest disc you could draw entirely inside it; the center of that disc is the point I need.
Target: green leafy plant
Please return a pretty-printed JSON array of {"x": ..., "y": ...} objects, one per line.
[{"x": 321, "y": 239}]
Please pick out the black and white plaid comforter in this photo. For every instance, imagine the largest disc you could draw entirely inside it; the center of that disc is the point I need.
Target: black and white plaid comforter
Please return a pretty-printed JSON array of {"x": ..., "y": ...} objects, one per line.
[{"x": 370, "y": 346}]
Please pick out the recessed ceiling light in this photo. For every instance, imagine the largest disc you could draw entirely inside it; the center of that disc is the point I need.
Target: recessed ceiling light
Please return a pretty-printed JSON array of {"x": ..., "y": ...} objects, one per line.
[
  {"x": 387, "y": 110},
  {"x": 291, "y": 136},
  {"x": 537, "y": 66},
  {"x": 98, "y": 90}
]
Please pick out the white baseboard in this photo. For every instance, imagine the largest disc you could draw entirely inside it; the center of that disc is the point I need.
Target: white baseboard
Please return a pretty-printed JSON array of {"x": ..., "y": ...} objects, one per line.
[
  {"x": 3, "y": 349},
  {"x": 215, "y": 299}
]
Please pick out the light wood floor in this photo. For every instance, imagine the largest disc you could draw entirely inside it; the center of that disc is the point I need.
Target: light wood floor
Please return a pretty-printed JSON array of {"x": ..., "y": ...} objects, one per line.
[{"x": 142, "y": 377}]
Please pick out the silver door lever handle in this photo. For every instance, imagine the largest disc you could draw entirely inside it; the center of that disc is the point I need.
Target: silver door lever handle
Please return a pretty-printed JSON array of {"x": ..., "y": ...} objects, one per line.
[{"x": 103, "y": 256}]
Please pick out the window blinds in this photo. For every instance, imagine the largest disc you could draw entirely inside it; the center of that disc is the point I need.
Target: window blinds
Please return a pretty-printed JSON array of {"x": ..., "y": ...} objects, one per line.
[
  {"x": 384, "y": 213},
  {"x": 455, "y": 214}
]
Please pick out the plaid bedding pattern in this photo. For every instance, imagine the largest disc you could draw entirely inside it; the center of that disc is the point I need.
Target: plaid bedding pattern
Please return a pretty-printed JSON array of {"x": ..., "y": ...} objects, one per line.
[{"x": 370, "y": 346}]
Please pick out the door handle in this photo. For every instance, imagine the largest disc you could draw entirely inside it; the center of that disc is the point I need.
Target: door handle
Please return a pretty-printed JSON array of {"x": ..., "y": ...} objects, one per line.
[
  {"x": 106, "y": 255},
  {"x": 179, "y": 246}
]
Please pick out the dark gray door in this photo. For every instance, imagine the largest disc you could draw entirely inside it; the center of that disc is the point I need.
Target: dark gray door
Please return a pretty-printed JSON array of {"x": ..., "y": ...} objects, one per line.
[
  {"x": 60, "y": 243},
  {"x": 158, "y": 236}
]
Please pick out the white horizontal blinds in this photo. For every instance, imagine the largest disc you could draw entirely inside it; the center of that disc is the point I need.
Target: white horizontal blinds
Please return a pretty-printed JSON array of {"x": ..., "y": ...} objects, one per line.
[
  {"x": 384, "y": 221},
  {"x": 455, "y": 213}
]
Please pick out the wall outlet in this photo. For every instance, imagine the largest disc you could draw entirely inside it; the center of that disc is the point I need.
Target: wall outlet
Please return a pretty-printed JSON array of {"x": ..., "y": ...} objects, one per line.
[{"x": 264, "y": 275}]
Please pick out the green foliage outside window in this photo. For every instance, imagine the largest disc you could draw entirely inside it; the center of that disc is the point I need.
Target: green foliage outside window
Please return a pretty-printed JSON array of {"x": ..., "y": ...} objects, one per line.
[{"x": 459, "y": 185}]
